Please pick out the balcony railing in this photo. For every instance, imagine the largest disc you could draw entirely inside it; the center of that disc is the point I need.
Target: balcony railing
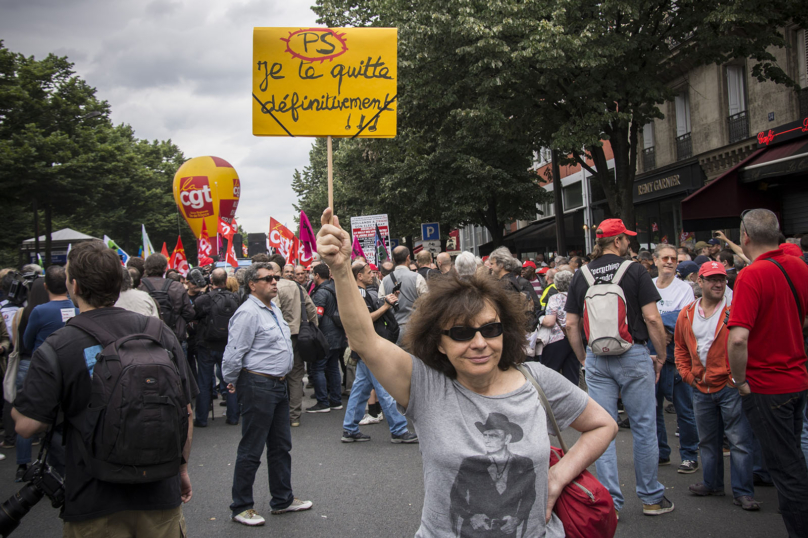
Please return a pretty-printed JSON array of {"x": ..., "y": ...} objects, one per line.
[
  {"x": 684, "y": 147},
  {"x": 738, "y": 127},
  {"x": 803, "y": 95},
  {"x": 648, "y": 159}
]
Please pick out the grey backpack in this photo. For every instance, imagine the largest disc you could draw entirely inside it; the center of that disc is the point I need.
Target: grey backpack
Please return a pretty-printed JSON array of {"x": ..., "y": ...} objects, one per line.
[{"x": 605, "y": 314}]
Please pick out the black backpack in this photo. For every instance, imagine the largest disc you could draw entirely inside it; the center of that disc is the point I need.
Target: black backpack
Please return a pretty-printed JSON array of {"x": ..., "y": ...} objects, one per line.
[
  {"x": 312, "y": 344},
  {"x": 334, "y": 315},
  {"x": 386, "y": 326},
  {"x": 223, "y": 304},
  {"x": 167, "y": 311},
  {"x": 136, "y": 425}
]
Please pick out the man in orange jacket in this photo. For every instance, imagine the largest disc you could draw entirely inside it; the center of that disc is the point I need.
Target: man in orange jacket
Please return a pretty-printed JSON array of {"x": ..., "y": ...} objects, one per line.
[{"x": 701, "y": 357}]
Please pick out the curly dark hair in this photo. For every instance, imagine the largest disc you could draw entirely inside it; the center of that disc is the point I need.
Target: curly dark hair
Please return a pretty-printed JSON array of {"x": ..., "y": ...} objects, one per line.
[{"x": 454, "y": 301}]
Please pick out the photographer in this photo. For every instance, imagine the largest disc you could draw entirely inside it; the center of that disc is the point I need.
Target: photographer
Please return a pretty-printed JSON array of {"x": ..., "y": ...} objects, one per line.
[{"x": 58, "y": 381}]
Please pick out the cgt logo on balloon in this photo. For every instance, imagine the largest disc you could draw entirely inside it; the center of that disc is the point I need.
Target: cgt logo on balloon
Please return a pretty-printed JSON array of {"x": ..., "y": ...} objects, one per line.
[{"x": 195, "y": 195}]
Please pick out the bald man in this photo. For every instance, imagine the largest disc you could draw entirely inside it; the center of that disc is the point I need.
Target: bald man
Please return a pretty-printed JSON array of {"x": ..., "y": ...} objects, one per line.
[{"x": 445, "y": 263}]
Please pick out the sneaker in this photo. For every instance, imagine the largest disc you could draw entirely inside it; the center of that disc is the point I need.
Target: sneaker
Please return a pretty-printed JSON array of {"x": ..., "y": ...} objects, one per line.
[
  {"x": 2, "y": 457},
  {"x": 21, "y": 470},
  {"x": 296, "y": 506},
  {"x": 4, "y": 444},
  {"x": 355, "y": 437},
  {"x": 726, "y": 452},
  {"x": 250, "y": 518},
  {"x": 223, "y": 404},
  {"x": 620, "y": 408},
  {"x": 624, "y": 423},
  {"x": 370, "y": 419},
  {"x": 406, "y": 437},
  {"x": 295, "y": 423},
  {"x": 231, "y": 423},
  {"x": 702, "y": 490},
  {"x": 670, "y": 409},
  {"x": 688, "y": 467},
  {"x": 677, "y": 431},
  {"x": 664, "y": 461},
  {"x": 336, "y": 407},
  {"x": 617, "y": 514},
  {"x": 319, "y": 409},
  {"x": 662, "y": 507},
  {"x": 747, "y": 503}
]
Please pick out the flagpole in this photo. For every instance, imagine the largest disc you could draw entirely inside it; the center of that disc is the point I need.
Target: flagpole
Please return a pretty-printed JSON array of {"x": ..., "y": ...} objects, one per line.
[{"x": 330, "y": 176}]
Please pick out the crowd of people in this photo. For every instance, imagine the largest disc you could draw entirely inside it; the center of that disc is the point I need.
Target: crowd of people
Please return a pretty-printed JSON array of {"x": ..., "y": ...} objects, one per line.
[{"x": 446, "y": 350}]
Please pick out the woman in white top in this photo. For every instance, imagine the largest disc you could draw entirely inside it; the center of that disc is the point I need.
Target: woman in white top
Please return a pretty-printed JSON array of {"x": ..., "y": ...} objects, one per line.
[
  {"x": 558, "y": 355},
  {"x": 481, "y": 425}
]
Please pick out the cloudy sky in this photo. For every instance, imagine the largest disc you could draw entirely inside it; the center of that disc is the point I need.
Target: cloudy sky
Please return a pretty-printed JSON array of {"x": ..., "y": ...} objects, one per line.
[{"x": 177, "y": 69}]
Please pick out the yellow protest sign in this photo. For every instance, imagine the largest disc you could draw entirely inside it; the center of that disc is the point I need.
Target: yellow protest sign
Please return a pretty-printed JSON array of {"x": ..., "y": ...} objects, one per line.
[{"x": 325, "y": 82}]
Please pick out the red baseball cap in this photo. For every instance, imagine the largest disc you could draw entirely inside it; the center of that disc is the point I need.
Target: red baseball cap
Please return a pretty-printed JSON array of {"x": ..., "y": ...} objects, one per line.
[
  {"x": 612, "y": 227},
  {"x": 543, "y": 270},
  {"x": 373, "y": 267},
  {"x": 712, "y": 268},
  {"x": 205, "y": 261},
  {"x": 529, "y": 263}
]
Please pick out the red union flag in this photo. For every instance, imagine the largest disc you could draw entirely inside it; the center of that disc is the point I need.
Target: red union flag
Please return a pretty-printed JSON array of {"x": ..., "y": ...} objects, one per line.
[
  {"x": 282, "y": 239},
  {"x": 178, "y": 260},
  {"x": 227, "y": 229},
  {"x": 203, "y": 246}
]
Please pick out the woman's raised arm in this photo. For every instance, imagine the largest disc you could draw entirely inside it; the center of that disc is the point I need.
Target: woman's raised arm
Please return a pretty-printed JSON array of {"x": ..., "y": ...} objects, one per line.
[{"x": 390, "y": 364}]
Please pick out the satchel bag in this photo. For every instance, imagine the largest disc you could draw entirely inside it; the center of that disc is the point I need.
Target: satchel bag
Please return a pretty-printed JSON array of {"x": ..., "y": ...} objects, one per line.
[
  {"x": 10, "y": 377},
  {"x": 585, "y": 506}
]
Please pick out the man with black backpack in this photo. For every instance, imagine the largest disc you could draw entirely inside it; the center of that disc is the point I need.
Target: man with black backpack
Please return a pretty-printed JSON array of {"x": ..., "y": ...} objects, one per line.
[
  {"x": 142, "y": 395},
  {"x": 213, "y": 312},
  {"x": 617, "y": 301},
  {"x": 172, "y": 298},
  {"x": 325, "y": 373},
  {"x": 386, "y": 326}
]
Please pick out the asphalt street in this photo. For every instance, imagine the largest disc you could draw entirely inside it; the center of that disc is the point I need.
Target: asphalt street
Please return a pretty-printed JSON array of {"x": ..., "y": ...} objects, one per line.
[{"x": 376, "y": 489}]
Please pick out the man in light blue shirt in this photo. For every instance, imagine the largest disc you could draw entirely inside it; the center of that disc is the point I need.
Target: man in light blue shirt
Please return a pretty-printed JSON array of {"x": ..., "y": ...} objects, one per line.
[{"x": 256, "y": 361}]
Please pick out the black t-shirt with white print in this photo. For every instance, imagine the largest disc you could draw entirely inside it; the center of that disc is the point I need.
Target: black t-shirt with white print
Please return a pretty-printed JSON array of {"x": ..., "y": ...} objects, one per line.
[{"x": 637, "y": 286}]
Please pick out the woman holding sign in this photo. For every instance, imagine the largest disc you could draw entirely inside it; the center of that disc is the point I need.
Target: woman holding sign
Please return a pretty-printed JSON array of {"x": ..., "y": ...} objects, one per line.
[{"x": 481, "y": 425}]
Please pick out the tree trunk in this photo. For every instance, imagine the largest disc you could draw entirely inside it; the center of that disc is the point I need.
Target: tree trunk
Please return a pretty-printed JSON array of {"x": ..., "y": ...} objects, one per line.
[
  {"x": 48, "y": 233},
  {"x": 491, "y": 222},
  {"x": 561, "y": 236}
]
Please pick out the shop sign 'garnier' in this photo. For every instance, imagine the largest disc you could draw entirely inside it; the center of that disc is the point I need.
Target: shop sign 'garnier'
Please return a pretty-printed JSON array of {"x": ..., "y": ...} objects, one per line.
[{"x": 658, "y": 185}]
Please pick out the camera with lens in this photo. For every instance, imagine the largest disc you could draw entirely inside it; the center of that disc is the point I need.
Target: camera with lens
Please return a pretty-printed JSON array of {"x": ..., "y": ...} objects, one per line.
[
  {"x": 20, "y": 286},
  {"x": 198, "y": 278},
  {"x": 41, "y": 479}
]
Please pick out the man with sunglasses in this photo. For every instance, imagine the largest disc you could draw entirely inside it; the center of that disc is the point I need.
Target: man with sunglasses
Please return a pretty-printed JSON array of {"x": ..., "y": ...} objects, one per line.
[
  {"x": 257, "y": 359},
  {"x": 675, "y": 295},
  {"x": 767, "y": 357}
]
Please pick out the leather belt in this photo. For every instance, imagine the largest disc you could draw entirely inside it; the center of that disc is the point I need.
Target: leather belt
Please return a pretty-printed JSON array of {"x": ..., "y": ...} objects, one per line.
[{"x": 265, "y": 375}]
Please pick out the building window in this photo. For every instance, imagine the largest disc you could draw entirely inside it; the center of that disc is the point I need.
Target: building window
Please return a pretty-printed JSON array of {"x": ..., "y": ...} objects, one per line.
[
  {"x": 596, "y": 193},
  {"x": 573, "y": 196},
  {"x": 738, "y": 121},
  {"x": 648, "y": 147},
  {"x": 684, "y": 146},
  {"x": 547, "y": 209}
]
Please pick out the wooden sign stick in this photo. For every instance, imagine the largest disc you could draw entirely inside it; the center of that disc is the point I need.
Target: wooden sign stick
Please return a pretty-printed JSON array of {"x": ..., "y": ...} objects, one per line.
[{"x": 330, "y": 176}]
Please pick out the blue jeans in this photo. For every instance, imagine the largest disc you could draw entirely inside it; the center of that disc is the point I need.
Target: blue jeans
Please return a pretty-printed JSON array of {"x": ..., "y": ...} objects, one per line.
[
  {"x": 360, "y": 392},
  {"x": 325, "y": 376},
  {"x": 23, "y": 446},
  {"x": 207, "y": 360},
  {"x": 631, "y": 375},
  {"x": 264, "y": 421},
  {"x": 712, "y": 409},
  {"x": 670, "y": 386}
]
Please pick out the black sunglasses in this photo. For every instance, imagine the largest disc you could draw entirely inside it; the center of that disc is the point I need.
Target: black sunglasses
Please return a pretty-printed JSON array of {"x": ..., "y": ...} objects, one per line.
[
  {"x": 268, "y": 278},
  {"x": 462, "y": 333}
]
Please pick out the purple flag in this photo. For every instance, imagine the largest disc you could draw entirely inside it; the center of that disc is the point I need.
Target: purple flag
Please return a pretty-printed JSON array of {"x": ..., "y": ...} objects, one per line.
[
  {"x": 306, "y": 234},
  {"x": 356, "y": 250}
]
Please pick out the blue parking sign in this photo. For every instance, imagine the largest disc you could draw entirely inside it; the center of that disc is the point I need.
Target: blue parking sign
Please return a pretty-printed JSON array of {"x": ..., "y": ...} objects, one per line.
[{"x": 430, "y": 231}]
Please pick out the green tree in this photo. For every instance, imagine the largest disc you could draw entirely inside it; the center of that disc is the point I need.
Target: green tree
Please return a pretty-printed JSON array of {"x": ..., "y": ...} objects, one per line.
[{"x": 462, "y": 156}]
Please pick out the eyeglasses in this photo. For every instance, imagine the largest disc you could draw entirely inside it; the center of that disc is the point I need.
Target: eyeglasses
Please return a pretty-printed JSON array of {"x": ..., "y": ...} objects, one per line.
[
  {"x": 462, "y": 333},
  {"x": 268, "y": 278},
  {"x": 668, "y": 258}
]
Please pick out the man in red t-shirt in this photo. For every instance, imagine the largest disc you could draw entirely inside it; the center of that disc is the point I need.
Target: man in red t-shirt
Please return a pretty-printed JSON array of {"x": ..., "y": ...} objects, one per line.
[{"x": 767, "y": 358}]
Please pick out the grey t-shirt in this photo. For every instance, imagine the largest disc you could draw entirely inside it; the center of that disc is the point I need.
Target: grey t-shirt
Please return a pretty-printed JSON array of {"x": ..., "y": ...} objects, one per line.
[{"x": 486, "y": 457}]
